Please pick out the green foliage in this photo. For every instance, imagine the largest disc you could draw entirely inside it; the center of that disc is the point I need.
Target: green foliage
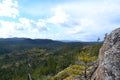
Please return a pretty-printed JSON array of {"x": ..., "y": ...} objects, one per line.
[
  {"x": 45, "y": 62},
  {"x": 69, "y": 72},
  {"x": 85, "y": 56}
]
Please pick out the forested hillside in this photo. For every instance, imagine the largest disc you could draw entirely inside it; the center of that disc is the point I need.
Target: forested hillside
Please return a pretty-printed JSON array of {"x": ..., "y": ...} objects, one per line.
[
  {"x": 9, "y": 45},
  {"x": 46, "y": 59}
]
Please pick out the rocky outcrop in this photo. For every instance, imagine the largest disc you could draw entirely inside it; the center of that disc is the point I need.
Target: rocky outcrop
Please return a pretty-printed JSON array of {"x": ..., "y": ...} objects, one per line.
[{"x": 109, "y": 58}]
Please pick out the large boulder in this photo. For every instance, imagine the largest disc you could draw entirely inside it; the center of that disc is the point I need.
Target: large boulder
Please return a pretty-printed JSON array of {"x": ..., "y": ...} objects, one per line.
[{"x": 109, "y": 58}]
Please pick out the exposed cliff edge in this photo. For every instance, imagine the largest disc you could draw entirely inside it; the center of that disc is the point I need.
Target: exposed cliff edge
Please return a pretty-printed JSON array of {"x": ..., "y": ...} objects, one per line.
[{"x": 109, "y": 58}]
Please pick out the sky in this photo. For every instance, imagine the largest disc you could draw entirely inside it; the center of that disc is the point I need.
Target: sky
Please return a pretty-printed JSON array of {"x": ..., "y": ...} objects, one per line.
[{"x": 83, "y": 20}]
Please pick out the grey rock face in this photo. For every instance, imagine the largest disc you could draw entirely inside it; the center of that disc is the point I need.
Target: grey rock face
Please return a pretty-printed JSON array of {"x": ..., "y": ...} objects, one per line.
[{"x": 109, "y": 58}]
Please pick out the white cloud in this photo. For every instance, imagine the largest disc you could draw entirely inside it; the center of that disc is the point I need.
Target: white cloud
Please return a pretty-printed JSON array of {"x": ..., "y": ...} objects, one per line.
[
  {"x": 35, "y": 26},
  {"x": 7, "y": 28},
  {"x": 23, "y": 28},
  {"x": 8, "y": 8},
  {"x": 59, "y": 16},
  {"x": 42, "y": 25},
  {"x": 92, "y": 19}
]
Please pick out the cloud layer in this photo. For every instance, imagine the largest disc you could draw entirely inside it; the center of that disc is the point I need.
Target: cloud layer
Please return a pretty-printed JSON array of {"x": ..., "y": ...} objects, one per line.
[{"x": 70, "y": 20}]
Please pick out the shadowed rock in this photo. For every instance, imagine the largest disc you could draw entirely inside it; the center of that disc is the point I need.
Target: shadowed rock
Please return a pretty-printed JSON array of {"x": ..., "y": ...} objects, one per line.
[{"x": 109, "y": 58}]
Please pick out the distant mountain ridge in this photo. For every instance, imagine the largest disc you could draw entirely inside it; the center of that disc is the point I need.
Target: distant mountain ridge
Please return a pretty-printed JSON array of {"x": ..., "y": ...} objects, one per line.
[
  {"x": 15, "y": 38},
  {"x": 7, "y": 45},
  {"x": 22, "y": 39},
  {"x": 17, "y": 44},
  {"x": 28, "y": 40}
]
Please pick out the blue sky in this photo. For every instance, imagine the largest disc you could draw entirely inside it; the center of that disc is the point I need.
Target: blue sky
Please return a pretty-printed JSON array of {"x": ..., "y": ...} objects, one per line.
[{"x": 83, "y": 20}]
